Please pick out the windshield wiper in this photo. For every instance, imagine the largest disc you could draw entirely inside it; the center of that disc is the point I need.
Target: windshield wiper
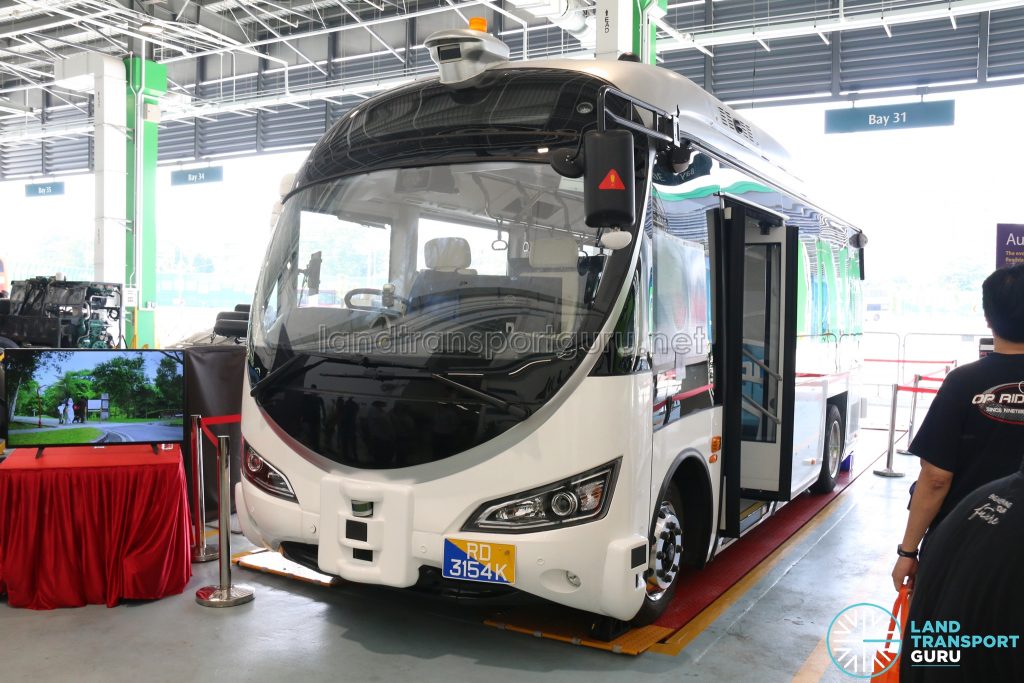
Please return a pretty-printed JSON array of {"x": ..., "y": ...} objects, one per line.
[
  {"x": 421, "y": 372},
  {"x": 288, "y": 368},
  {"x": 510, "y": 408},
  {"x": 283, "y": 371},
  {"x": 296, "y": 362}
]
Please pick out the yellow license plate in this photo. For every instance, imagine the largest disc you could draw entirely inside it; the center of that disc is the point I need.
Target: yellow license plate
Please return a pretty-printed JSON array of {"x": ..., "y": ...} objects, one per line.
[{"x": 479, "y": 561}]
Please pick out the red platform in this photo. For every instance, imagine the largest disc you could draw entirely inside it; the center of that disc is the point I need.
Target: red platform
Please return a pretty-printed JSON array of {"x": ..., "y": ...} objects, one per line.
[
  {"x": 93, "y": 526},
  {"x": 700, "y": 588}
]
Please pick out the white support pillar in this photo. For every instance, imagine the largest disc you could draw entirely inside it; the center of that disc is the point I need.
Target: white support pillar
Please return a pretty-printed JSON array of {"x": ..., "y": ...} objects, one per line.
[
  {"x": 111, "y": 160},
  {"x": 614, "y": 28},
  {"x": 105, "y": 77}
]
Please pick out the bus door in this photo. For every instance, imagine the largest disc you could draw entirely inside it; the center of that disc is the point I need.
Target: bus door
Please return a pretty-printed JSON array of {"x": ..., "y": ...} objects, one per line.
[{"x": 756, "y": 258}]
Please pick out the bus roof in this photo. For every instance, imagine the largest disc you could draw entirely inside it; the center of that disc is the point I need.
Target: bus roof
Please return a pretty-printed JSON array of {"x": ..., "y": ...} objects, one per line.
[{"x": 702, "y": 117}]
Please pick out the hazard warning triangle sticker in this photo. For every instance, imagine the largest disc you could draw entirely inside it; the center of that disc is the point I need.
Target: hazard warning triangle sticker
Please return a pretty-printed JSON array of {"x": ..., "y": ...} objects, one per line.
[{"x": 612, "y": 181}]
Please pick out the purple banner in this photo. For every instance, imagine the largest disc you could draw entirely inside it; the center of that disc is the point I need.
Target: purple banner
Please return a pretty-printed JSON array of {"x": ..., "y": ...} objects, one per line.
[{"x": 1009, "y": 245}]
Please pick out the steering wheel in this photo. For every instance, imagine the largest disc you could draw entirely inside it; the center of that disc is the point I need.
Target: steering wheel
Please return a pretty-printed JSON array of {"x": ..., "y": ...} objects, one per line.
[{"x": 383, "y": 310}]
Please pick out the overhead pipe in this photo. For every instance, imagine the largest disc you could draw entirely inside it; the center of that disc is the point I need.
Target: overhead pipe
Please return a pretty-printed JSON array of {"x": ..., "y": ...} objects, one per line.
[{"x": 569, "y": 15}]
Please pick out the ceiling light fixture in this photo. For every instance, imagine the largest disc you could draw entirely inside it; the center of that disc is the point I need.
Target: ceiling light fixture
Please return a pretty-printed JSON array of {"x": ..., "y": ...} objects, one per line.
[{"x": 151, "y": 29}]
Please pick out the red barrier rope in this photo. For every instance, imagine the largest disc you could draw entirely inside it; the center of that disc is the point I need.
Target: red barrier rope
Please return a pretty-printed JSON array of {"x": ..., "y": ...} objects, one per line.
[
  {"x": 683, "y": 395},
  {"x": 206, "y": 422},
  {"x": 920, "y": 362},
  {"x": 919, "y": 390},
  {"x": 222, "y": 419}
]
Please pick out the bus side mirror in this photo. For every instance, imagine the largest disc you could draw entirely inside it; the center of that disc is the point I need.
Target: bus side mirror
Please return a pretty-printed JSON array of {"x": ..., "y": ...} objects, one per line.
[
  {"x": 312, "y": 272},
  {"x": 609, "y": 196}
]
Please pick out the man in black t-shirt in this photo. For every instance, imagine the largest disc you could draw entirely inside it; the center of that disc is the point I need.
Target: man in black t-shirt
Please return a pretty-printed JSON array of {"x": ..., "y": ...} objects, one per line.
[
  {"x": 972, "y": 575},
  {"x": 974, "y": 431}
]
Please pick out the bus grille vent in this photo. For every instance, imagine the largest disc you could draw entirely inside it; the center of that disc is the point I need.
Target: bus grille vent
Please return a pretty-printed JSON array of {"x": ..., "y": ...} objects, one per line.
[{"x": 740, "y": 127}]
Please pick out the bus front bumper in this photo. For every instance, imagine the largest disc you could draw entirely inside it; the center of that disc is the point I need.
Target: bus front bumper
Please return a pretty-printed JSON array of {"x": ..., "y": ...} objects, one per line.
[{"x": 588, "y": 567}]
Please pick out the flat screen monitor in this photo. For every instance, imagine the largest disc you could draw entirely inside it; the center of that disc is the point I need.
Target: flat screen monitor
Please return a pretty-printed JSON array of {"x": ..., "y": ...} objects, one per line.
[{"x": 64, "y": 397}]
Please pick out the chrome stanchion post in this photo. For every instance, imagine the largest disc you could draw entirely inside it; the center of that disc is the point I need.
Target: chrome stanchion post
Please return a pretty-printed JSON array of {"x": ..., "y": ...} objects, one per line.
[
  {"x": 201, "y": 552},
  {"x": 913, "y": 413},
  {"x": 889, "y": 471},
  {"x": 224, "y": 595}
]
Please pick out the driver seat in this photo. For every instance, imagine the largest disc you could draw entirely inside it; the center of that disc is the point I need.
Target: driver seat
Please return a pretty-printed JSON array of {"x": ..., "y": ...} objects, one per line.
[
  {"x": 448, "y": 255},
  {"x": 447, "y": 260},
  {"x": 557, "y": 257}
]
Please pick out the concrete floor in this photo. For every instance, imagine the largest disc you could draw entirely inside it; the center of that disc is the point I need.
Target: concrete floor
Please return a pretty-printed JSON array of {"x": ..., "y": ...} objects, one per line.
[{"x": 302, "y": 633}]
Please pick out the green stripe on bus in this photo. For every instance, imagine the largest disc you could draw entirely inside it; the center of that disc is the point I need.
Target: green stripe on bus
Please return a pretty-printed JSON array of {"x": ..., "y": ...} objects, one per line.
[{"x": 738, "y": 188}]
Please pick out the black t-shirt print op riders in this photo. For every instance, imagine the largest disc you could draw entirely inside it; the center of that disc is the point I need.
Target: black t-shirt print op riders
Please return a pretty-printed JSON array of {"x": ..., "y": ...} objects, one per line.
[{"x": 975, "y": 426}]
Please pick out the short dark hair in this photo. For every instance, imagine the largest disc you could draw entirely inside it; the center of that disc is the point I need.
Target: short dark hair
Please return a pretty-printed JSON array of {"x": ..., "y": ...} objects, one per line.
[{"x": 1002, "y": 298}]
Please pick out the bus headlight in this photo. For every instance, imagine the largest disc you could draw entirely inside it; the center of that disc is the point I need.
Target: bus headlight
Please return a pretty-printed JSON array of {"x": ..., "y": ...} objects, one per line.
[
  {"x": 266, "y": 476},
  {"x": 583, "y": 498}
]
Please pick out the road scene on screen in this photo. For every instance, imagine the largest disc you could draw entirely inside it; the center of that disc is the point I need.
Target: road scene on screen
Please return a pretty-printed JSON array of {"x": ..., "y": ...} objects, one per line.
[{"x": 93, "y": 397}]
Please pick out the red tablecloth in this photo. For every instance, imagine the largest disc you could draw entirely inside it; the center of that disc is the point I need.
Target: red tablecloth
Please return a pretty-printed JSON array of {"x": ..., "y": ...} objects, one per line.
[{"x": 93, "y": 526}]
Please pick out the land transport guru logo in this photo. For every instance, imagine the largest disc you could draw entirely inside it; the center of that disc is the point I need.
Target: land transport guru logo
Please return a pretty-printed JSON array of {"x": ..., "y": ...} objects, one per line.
[{"x": 865, "y": 641}]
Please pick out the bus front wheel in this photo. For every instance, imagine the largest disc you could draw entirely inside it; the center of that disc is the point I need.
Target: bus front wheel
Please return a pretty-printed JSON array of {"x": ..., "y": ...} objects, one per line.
[
  {"x": 665, "y": 557},
  {"x": 832, "y": 454}
]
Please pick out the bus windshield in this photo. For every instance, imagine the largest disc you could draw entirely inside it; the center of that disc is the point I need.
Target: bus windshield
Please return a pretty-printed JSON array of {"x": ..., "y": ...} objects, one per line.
[{"x": 460, "y": 265}]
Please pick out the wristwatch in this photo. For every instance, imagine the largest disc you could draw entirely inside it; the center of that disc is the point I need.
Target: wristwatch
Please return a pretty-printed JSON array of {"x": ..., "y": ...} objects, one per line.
[{"x": 906, "y": 553}]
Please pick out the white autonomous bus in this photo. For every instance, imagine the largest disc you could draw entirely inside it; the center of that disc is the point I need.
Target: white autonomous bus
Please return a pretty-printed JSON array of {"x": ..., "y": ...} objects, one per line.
[{"x": 563, "y": 326}]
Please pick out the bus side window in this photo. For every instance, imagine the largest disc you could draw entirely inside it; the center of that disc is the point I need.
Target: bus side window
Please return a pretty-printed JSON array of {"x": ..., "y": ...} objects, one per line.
[
  {"x": 681, "y": 321},
  {"x": 624, "y": 353}
]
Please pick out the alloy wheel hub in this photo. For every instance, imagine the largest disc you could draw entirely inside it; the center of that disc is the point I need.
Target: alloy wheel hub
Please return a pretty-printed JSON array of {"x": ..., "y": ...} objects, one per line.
[
  {"x": 666, "y": 552},
  {"x": 833, "y": 450}
]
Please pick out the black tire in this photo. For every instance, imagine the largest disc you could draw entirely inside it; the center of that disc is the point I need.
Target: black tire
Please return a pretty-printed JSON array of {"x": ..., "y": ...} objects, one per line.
[
  {"x": 6, "y": 343},
  {"x": 662, "y": 575},
  {"x": 832, "y": 453}
]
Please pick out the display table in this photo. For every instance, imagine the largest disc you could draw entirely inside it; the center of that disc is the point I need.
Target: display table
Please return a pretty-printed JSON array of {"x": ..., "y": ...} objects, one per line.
[{"x": 93, "y": 526}]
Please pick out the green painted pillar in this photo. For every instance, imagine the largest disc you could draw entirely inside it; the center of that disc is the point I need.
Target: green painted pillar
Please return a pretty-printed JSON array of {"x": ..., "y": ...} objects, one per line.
[
  {"x": 640, "y": 9},
  {"x": 140, "y": 327}
]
